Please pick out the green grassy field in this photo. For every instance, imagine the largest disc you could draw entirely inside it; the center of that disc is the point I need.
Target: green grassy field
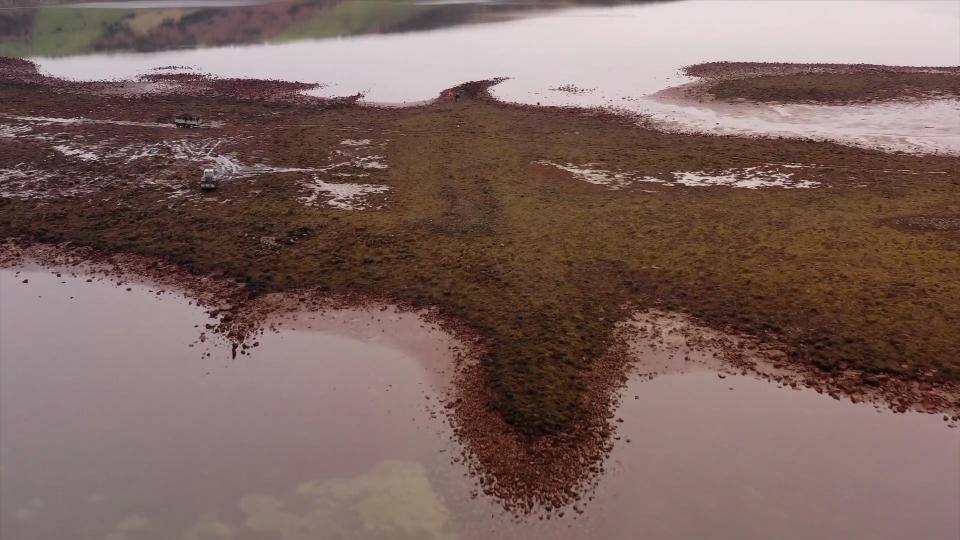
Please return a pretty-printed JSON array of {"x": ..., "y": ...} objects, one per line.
[
  {"x": 349, "y": 18},
  {"x": 59, "y": 31}
]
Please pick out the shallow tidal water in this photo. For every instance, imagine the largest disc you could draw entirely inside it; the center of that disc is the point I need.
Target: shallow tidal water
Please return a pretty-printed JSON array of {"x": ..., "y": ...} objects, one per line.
[
  {"x": 112, "y": 426},
  {"x": 613, "y": 56}
]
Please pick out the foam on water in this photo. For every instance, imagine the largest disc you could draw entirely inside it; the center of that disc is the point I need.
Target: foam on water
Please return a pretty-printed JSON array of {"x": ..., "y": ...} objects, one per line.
[{"x": 761, "y": 176}]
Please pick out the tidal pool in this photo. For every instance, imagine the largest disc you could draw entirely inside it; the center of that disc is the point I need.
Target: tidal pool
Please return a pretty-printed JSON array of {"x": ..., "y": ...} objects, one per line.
[{"x": 117, "y": 422}]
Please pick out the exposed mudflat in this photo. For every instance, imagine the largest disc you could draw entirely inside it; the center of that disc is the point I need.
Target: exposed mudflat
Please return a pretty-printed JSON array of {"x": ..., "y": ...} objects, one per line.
[
  {"x": 609, "y": 65},
  {"x": 502, "y": 217},
  {"x": 891, "y": 108},
  {"x": 822, "y": 83},
  {"x": 116, "y": 154}
]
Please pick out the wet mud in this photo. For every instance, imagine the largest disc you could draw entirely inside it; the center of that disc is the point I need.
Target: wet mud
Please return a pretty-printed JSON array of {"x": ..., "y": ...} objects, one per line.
[{"x": 116, "y": 153}]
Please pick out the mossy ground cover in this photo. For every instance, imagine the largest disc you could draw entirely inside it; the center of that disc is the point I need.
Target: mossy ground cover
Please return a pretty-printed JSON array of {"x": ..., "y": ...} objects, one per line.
[
  {"x": 825, "y": 83},
  {"x": 541, "y": 263},
  {"x": 835, "y": 87}
]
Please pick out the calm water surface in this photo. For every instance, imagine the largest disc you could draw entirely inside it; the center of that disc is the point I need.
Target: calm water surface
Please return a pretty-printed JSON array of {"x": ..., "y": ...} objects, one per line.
[
  {"x": 113, "y": 427},
  {"x": 619, "y": 56}
]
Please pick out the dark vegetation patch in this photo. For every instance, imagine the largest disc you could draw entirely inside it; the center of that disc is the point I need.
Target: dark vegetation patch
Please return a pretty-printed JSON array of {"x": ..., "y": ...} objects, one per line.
[
  {"x": 840, "y": 88},
  {"x": 471, "y": 90},
  {"x": 209, "y": 26},
  {"x": 927, "y": 223},
  {"x": 541, "y": 264},
  {"x": 15, "y": 24},
  {"x": 254, "y": 89},
  {"x": 17, "y": 66},
  {"x": 825, "y": 83}
]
